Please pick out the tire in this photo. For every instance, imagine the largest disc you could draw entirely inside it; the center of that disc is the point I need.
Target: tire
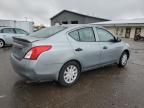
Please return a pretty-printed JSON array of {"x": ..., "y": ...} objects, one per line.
[
  {"x": 123, "y": 59},
  {"x": 2, "y": 43},
  {"x": 66, "y": 77}
]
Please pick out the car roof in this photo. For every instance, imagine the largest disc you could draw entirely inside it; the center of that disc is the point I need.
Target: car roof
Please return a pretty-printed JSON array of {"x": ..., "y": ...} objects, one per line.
[
  {"x": 9, "y": 27},
  {"x": 73, "y": 25},
  {"x": 80, "y": 25}
]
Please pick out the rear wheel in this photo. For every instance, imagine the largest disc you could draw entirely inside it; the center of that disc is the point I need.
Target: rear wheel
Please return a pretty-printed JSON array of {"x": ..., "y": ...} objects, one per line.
[
  {"x": 123, "y": 59},
  {"x": 69, "y": 73},
  {"x": 1, "y": 43}
]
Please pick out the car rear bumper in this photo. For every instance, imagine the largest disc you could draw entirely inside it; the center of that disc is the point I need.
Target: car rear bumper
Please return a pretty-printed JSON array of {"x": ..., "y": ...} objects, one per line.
[{"x": 31, "y": 70}]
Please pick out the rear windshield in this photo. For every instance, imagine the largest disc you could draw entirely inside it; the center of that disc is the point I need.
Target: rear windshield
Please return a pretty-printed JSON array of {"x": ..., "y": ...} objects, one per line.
[{"x": 47, "y": 32}]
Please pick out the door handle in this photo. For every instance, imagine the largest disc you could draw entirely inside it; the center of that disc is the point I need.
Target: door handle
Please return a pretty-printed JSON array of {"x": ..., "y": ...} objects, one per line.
[
  {"x": 78, "y": 49},
  {"x": 105, "y": 47}
]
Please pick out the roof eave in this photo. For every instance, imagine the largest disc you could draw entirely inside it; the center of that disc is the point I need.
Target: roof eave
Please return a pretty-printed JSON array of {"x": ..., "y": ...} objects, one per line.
[{"x": 78, "y": 14}]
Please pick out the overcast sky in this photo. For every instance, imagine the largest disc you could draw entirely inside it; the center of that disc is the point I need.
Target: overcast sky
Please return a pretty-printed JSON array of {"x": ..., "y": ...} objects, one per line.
[{"x": 40, "y": 11}]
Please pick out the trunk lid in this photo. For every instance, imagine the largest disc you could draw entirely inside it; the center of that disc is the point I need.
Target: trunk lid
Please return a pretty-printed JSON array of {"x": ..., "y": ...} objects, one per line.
[{"x": 21, "y": 45}]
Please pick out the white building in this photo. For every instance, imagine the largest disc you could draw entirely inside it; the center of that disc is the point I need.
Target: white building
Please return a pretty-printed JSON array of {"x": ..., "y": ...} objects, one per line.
[
  {"x": 125, "y": 28},
  {"x": 25, "y": 25}
]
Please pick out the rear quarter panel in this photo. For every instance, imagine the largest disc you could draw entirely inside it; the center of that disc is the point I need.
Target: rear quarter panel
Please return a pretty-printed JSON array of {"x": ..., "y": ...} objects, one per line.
[
  {"x": 60, "y": 53},
  {"x": 53, "y": 60}
]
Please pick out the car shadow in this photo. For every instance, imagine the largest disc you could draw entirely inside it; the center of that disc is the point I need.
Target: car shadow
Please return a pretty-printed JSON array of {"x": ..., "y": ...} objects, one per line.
[
  {"x": 50, "y": 93},
  {"x": 6, "y": 48}
]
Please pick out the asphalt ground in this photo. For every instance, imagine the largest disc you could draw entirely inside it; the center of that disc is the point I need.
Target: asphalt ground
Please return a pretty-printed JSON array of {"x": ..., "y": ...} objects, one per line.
[{"x": 107, "y": 87}]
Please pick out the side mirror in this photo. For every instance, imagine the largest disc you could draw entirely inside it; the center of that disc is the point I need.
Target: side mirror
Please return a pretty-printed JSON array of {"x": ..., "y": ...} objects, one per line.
[{"x": 117, "y": 39}]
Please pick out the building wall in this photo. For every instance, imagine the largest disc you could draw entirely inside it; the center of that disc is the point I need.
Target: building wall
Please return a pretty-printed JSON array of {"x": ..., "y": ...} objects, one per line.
[
  {"x": 118, "y": 31},
  {"x": 92, "y": 20},
  {"x": 25, "y": 25},
  {"x": 132, "y": 34},
  {"x": 67, "y": 16},
  {"x": 124, "y": 32},
  {"x": 4, "y": 22},
  {"x": 142, "y": 31},
  {"x": 114, "y": 31}
]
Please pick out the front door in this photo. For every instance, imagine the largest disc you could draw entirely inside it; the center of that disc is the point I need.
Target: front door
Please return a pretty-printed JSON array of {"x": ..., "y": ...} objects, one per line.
[
  {"x": 110, "y": 49},
  {"x": 86, "y": 49},
  {"x": 8, "y": 34},
  {"x": 128, "y": 31}
]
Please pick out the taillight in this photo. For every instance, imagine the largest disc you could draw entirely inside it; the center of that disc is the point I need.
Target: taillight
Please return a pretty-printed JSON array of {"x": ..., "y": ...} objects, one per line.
[{"x": 34, "y": 52}]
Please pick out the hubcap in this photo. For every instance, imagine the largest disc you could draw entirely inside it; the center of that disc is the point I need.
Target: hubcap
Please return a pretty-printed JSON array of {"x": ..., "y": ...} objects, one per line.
[
  {"x": 70, "y": 74},
  {"x": 124, "y": 59},
  {"x": 1, "y": 43}
]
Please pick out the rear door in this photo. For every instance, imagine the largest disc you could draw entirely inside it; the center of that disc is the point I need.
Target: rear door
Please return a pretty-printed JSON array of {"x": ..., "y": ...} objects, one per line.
[
  {"x": 85, "y": 47},
  {"x": 109, "y": 48},
  {"x": 8, "y": 34}
]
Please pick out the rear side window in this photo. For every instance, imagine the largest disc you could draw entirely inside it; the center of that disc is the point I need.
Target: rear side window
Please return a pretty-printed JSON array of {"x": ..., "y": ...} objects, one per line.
[
  {"x": 47, "y": 32},
  {"x": 87, "y": 35},
  {"x": 75, "y": 35},
  {"x": 19, "y": 31},
  {"x": 83, "y": 35},
  {"x": 8, "y": 30}
]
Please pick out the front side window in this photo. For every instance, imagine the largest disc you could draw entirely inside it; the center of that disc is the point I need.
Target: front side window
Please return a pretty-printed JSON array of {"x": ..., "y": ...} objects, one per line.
[
  {"x": 104, "y": 35},
  {"x": 19, "y": 31},
  {"x": 8, "y": 30}
]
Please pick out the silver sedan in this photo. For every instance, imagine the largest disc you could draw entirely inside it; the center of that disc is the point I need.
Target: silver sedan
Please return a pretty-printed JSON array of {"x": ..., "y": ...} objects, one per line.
[
  {"x": 7, "y": 34},
  {"x": 61, "y": 53}
]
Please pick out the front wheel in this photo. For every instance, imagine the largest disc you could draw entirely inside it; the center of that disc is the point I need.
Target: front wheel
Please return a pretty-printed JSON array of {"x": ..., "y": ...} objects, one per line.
[
  {"x": 69, "y": 73},
  {"x": 123, "y": 59},
  {"x": 1, "y": 43}
]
